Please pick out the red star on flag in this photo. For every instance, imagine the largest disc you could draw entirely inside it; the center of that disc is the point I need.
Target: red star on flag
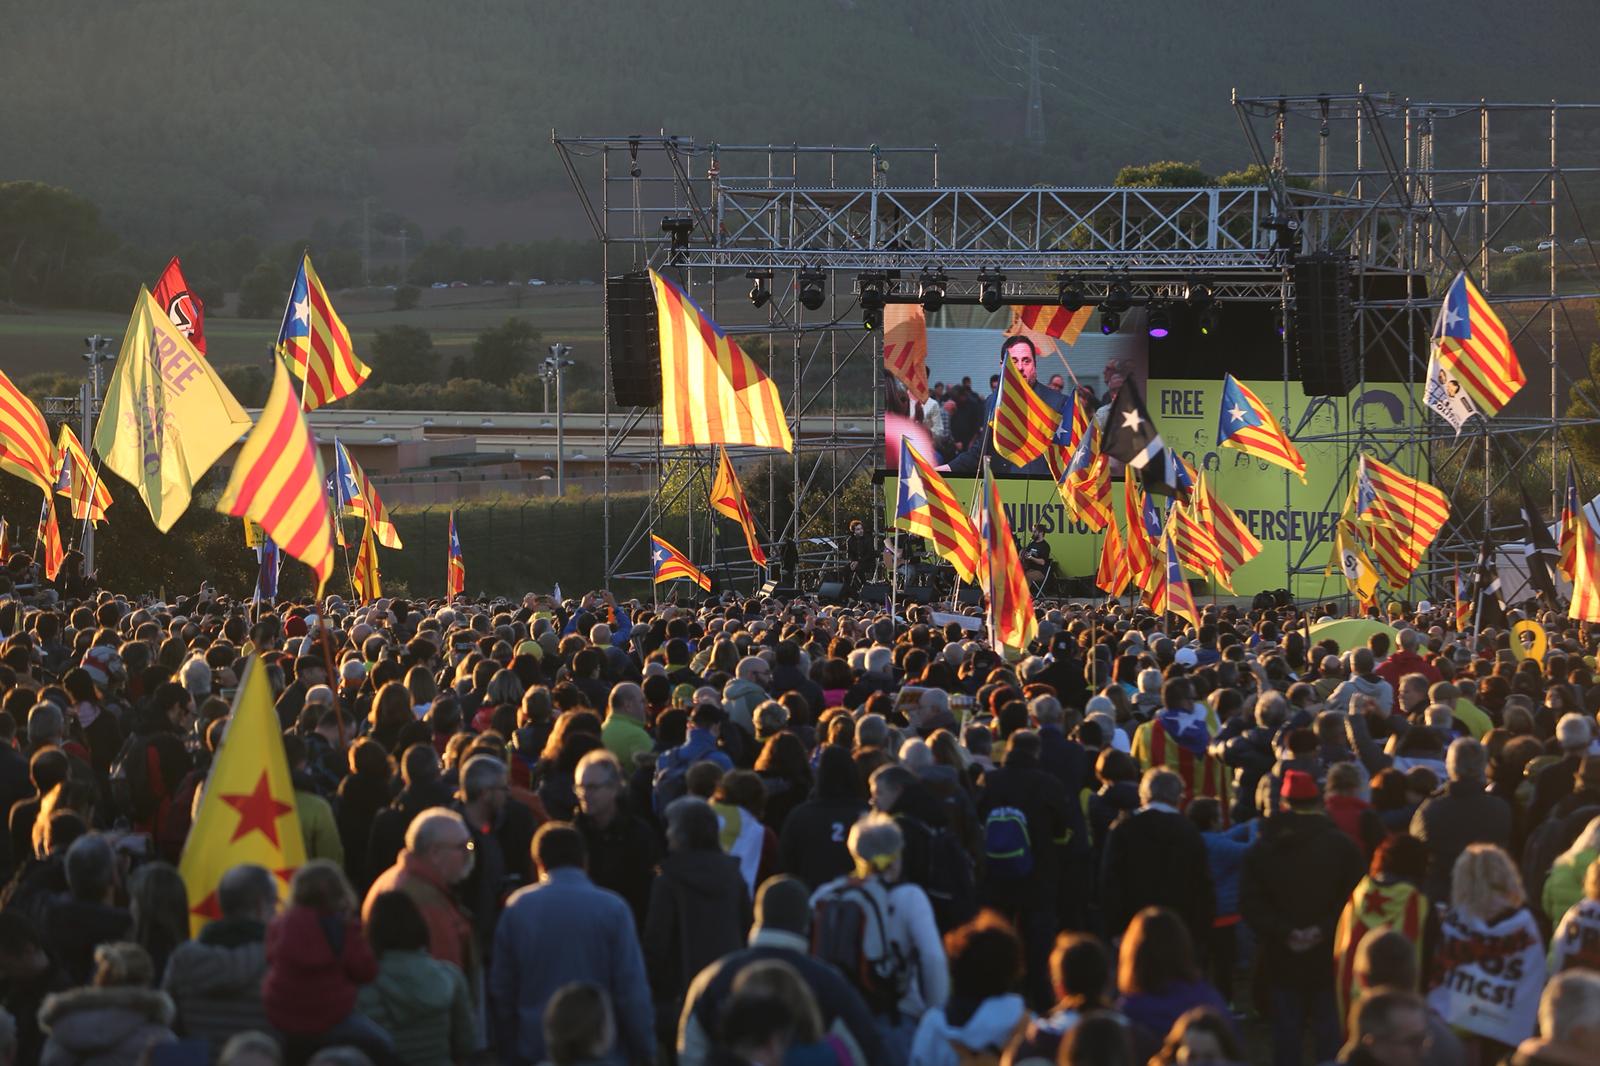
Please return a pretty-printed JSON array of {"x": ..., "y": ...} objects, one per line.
[{"x": 257, "y": 810}]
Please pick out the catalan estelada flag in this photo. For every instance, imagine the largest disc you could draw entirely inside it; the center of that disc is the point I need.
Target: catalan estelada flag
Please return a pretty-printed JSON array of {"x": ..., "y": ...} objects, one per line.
[
  {"x": 277, "y": 481},
  {"x": 1179, "y": 741},
  {"x": 1245, "y": 423},
  {"x": 24, "y": 438},
  {"x": 55, "y": 553},
  {"x": 1051, "y": 320},
  {"x": 1574, "y": 517},
  {"x": 1084, "y": 483},
  {"x": 1023, "y": 423},
  {"x": 1236, "y": 545},
  {"x": 455, "y": 571},
  {"x": 711, "y": 391},
  {"x": 1197, "y": 546},
  {"x": 1389, "y": 904},
  {"x": 1012, "y": 625},
  {"x": 668, "y": 564},
  {"x": 316, "y": 343},
  {"x": 1474, "y": 349},
  {"x": 1402, "y": 516},
  {"x": 364, "y": 576},
  {"x": 1173, "y": 595},
  {"x": 1112, "y": 575},
  {"x": 727, "y": 498},
  {"x": 1140, "y": 545},
  {"x": 353, "y": 489},
  {"x": 905, "y": 347},
  {"x": 77, "y": 480},
  {"x": 926, "y": 506},
  {"x": 247, "y": 814},
  {"x": 1586, "y": 577}
]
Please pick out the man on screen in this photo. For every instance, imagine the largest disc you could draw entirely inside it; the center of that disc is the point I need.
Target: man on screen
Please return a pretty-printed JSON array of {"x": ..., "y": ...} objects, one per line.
[{"x": 1025, "y": 357}]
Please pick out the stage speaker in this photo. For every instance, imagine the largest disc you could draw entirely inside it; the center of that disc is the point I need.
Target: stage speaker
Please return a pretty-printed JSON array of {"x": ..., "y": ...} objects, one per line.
[
  {"x": 1324, "y": 324},
  {"x": 875, "y": 593},
  {"x": 969, "y": 596},
  {"x": 830, "y": 592},
  {"x": 635, "y": 346},
  {"x": 916, "y": 594}
]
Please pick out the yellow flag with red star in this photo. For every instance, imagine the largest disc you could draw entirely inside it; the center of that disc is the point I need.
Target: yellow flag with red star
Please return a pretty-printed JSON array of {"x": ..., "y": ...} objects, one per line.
[{"x": 247, "y": 814}]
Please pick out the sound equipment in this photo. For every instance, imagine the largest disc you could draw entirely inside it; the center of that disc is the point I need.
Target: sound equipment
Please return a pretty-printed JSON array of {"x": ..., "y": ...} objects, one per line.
[
  {"x": 970, "y": 596},
  {"x": 875, "y": 593},
  {"x": 1324, "y": 324},
  {"x": 774, "y": 591},
  {"x": 634, "y": 344},
  {"x": 830, "y": 592},
  {"x": 916, "y": 594}
]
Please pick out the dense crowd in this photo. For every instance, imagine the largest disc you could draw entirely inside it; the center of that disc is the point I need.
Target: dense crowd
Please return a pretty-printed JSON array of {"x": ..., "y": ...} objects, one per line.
[{"x": 749, "y": 831}]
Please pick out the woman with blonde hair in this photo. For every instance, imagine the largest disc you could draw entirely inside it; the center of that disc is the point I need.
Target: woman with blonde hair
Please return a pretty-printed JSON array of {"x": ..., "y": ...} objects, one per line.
[{"x": 1489, "y": 963}]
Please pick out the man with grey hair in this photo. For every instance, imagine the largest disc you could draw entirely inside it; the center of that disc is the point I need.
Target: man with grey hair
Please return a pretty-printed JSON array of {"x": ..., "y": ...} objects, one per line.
[
  {"x": 1569, "y": 1022},
  {"x": 872, "y": 731},
  {"x": 1463, "y": 813},
  {"x": 481, "y": 800},
  {"x": 215, "y": 979},
  {"x": 438, "y": 856},
  {"x": 195, "y": 675},
  {"x": 1574, "y": 733},
  {"x": 739, "y": 697},
  {"x": 46, "y": 726},
  {"x": 1364, "y": 681},
  {"x": 1157, "y": 858}
]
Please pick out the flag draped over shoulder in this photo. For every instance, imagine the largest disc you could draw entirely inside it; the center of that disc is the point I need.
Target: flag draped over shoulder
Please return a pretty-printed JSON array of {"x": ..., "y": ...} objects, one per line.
[
  {"x": 353, "y": 489},
  {"x": 364, "y": 574},
  {"x": 1402, "y": 516},
  {"x": 1396, "y": 905},
  {"x": 277, "y": 481},
  {"x": 1246, "y": 423},
  {"x": 315, "y": 342},
  {"x": 1474, "y": 349},
  {"x": 167, "y": 415},
  {"x": 711, "y": 391},
  {"x": 76, "y": 479},
  {"x": 181, "y": 305},
  {"x": 1011, "y": 622},
  {"x": 24, "y": 438},
  {"x": 905, "y": 347},
  {"x": 727, "y": 498},
  {"x": 668, "y": 563},
  {"x": 926, "y": 506},
  {"x": 1023, "y": 423},
  {"x": 455, "y": 570},
  {"x": 247, "y": 813}
]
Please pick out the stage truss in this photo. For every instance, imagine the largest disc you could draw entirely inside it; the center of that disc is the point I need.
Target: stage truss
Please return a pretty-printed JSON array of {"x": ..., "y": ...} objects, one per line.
[{"x": 778, "y": 210}]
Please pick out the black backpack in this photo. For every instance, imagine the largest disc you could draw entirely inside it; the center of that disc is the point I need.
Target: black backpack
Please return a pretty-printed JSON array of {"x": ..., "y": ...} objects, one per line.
[
  {"x": 949, "y": 879},
  {"x": 847, "y": 931},
  {"x": 131, "y": 790}
]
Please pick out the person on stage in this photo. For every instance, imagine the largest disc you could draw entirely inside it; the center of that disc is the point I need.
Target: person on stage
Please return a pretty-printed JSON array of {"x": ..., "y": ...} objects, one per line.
[
  {"x": 1036, "y": 557},
  {"x": 860, "y": 555}
]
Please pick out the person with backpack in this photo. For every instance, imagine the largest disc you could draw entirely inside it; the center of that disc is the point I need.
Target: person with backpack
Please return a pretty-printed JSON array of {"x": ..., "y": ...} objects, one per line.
[
  {"x": 881, "y": 934},
  {"x": 934, "y": 857},
  {"x": 700, "y": 745},
  {"x": 152, "y": 761},
  {"x": 1025, "y": 814}
]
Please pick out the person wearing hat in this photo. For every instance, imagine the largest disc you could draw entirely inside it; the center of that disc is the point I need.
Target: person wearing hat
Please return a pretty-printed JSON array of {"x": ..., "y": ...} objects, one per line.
[
  {"x": 1294, "y": 885},
  {"x": 780, "y": 933}
]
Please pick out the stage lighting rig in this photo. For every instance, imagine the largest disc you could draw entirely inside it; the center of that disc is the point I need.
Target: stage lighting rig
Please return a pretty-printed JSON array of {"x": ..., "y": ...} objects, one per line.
[
  {"x": 813, "y": 290},
  {"x": 1069, "y": 294},
  {"x": 1158, "y": 320},
  {"x": 931, "y": 289},
  {"x": 761, "y": 287},
  {"x": 874, "y": 289},
  {"x": 1110, "y": 321},
  {"x": 677, "y": 228},
  {"x": 990, "y": 290}
]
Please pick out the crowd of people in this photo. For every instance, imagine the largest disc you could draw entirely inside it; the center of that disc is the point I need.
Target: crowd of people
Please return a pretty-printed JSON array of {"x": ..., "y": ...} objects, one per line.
[{"x": 762, "y": 832}]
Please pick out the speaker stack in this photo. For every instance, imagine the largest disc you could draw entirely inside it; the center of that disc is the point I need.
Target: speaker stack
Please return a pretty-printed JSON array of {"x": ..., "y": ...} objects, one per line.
[
  {"x": 635, "y": 346},
  {"x": 1324, "y": 324}
]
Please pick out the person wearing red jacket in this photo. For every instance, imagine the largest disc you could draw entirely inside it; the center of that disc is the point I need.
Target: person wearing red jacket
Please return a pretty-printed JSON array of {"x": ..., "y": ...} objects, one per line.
[
  {"x": 317, "y": 960},
  {"x": 1407, "y": 661}
]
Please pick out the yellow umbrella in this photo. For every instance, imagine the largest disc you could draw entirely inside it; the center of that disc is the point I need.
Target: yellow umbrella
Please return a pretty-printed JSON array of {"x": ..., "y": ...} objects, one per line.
[{"x": 1351, "y": 633}]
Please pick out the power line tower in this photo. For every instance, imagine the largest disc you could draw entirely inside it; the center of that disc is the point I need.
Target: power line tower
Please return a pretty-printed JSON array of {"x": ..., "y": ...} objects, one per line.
[{"x": 1033, "y": 118}]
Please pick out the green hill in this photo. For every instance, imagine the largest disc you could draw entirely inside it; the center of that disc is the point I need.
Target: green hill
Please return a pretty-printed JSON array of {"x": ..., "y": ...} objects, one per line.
[{"x": 189, "y": 119}]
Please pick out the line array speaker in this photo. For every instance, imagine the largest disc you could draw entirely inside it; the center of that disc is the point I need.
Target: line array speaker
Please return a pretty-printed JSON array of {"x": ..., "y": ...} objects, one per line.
[
  {"x": 635, "y": 344},
  {"x": 1324, "y": 324}
]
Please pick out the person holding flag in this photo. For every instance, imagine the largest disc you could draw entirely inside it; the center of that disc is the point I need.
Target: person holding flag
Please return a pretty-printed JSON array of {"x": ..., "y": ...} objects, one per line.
[{"x": 668, "y": 564}]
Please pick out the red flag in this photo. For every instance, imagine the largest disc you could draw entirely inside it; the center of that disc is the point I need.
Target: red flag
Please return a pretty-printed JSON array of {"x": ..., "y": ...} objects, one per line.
[
  {"x": 173, "y": 296},
  {"x": 905, "y": 347}
]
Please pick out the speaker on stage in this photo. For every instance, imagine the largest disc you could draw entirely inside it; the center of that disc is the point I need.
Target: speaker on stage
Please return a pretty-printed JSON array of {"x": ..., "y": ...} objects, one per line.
[
  {"x": 830, "y": 592},
  {"x": 774, "y": 591},
  {"x": 635, "y": 346},
  {"x": 969, "y": 596},
  {"x": 916, "y": 594},
  {"x": 1324, "y": 324},
  {"x": 875, "y": 593}
]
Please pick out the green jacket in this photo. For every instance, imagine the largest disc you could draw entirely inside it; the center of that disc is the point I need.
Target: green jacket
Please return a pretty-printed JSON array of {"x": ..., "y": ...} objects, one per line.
[
  {"x": 1564, "y": 886},
  {"x": 625, "y": 738},
  {"x": 319, "y": 827},
  {"x": 424, "y": 1005}
]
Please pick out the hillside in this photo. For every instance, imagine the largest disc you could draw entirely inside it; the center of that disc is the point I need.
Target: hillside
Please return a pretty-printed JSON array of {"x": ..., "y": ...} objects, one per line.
[{"x": 186, "y": 119}]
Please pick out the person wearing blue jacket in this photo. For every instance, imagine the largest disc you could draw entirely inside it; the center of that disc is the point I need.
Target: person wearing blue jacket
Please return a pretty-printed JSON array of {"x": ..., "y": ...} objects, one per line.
[{"x": 1225, "y": 848}]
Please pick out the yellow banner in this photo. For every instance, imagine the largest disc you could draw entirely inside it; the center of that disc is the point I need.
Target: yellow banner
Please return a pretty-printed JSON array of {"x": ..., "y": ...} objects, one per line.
[{"x": 1295, "y": 522}]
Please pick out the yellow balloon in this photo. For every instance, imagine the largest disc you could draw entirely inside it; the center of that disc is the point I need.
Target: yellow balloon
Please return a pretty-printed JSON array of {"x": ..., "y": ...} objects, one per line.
[{"x": 1533, "y": 644}]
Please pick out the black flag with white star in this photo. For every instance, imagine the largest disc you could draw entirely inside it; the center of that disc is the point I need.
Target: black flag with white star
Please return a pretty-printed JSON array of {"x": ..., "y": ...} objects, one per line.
[
  {"x": 1131, "y": 438},
  {"x": 1540, "y": 550},
  {"x": 1486, "y": 594}
]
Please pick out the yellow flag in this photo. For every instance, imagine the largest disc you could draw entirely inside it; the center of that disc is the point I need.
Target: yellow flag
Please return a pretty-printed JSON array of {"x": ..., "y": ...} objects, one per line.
[
  {"x": 1350, "y": 559},
  {"x": 247, "y": 813},
  {"x": 368, "y": 583},
  {"x": 167, "y": 414}
]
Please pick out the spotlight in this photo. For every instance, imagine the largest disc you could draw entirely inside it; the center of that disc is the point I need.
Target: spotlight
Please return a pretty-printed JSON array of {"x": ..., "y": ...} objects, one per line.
[
  {"x": 1069, "y": 294},
  {"x": 811, "y": 284},
  {"x": 872, "y": 319},
  {"x": 1110, "y": 321},
  {"x": 1210, "y": 320},
  {"x": 874, "y": 288},
  {"x": 1199, "y": 295},
  {"x": 678, "y": 228},
  {"x": 760, "y": 291},
  {"x": 932, "y": 289},
  {"x": 989, "y": 290},
  {"x": 1117, "y": 298},
  {"x": 1158, "y": 323}
]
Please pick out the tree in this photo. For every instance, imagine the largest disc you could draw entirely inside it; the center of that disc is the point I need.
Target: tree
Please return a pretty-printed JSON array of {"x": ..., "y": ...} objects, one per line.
[
  {"x": 1166, "y": 174},
  {"x": 406, "y": 297},
  {"x": 403, "y": 355},
  {"x": 263, "y": 291},
  {"x": 500, "y": 354},
  {"x": 47, "y": 237}
]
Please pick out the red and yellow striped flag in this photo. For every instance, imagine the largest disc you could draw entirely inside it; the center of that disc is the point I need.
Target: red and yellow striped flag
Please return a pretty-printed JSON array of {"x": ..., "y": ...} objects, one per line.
[
  {"x": 1139, "y": 546},
  {"x": 668, "y": 564},
  {"x": 1011, "y": 622},
  {"x": 24, "y": 438},
  {"x": 905, "y": 347},
  {"x": 50, "y": 533},
  {"x": 711, "y": 391},
  {"x": 1402, "y": 516},
  {"x": 1196, "y": 544},
  {"x": 1051, "y": 320},
  {"x": 1173, "y": 594},
  {"x": 1023, "y": 423},
  {"x": 1236, "y": 545},
  {"x": 277, "y": 481},
  {"x": 926, "y": 506},
  {"x": 316, "y": 343},
  {"x": 77, "y": 480},
  {"x": 1586, "y": 577},
  {"x": 1113, "y": 575},
  {"x": 727, "y": 498},
  {"x": 1474, "y": 348},
  {"x": 1084, "y": 481},
  {"x": 364, "y": 576}
]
